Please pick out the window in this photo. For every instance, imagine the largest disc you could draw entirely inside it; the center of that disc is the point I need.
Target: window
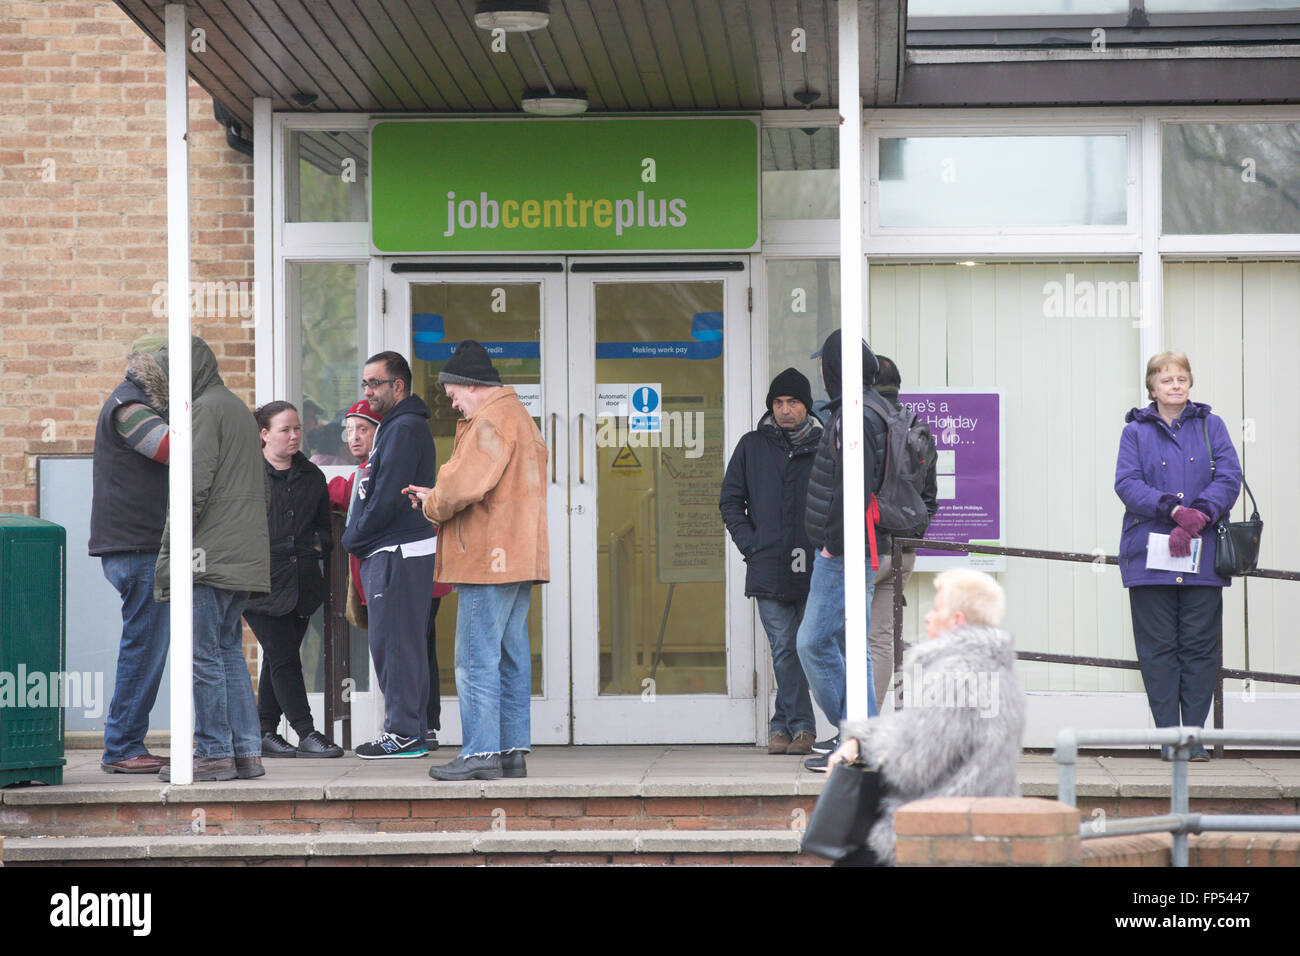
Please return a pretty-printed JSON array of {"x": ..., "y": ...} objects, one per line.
[
  {"x": 1231, "y": 178},
  {"x": 930, "y": 182},
  {"x": 326, "y": 175}
]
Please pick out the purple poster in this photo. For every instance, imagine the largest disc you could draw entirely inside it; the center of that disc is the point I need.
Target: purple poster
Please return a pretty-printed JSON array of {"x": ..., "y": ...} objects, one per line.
[{"x": 967, "y": 429}]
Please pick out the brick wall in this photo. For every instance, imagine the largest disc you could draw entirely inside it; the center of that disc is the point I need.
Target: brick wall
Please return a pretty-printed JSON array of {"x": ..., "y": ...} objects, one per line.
[{"x": 83, "y": 224}]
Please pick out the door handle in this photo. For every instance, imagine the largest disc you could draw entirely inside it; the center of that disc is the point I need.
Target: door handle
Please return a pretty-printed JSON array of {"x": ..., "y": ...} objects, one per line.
[
  {"x": 582, "y": 450},
  {"x": 553, "y": 414}
]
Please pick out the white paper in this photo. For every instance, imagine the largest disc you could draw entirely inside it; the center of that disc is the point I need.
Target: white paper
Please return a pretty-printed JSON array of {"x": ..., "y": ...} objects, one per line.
[{"x": 1159, "y": 558}]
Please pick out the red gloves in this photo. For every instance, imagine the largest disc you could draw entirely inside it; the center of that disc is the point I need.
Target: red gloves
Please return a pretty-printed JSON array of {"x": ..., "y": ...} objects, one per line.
[
  {"x": 1192, "y": 521},
  {"x": 1180, "y": 542}
]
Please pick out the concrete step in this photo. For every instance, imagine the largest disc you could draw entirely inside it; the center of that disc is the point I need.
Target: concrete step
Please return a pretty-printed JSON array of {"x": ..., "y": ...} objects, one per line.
[{"x": 484, "y": 848}]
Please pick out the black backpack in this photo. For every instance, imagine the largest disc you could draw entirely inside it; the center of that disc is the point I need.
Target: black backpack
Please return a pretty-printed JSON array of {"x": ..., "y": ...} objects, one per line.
[{"x": 909, "y": 452}]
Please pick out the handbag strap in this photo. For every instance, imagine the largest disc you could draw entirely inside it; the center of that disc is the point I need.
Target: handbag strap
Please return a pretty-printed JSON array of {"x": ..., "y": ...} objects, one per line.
[{"x": 1205, "y": 430}]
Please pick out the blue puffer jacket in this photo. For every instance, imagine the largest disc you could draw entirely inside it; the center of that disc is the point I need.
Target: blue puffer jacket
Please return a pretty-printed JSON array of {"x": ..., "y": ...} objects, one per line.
[{"x": 1160, "y": 467}]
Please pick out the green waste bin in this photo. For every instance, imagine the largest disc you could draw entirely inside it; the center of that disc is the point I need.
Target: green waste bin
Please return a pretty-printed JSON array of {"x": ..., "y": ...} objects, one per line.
[{"x": 33, "y": 576}]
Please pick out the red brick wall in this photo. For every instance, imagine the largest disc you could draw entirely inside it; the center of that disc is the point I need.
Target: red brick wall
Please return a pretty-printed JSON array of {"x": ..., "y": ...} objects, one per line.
[{"x": 83, "y": 239}]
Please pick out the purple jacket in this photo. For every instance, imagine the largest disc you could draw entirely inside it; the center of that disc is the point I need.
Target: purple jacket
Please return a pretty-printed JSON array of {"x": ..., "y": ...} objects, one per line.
[{"x": 1160, "y": 467}]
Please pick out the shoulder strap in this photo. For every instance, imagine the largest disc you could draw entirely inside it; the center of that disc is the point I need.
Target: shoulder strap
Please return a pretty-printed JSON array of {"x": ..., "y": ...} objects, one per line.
[{"x": 1205, "y": 430}]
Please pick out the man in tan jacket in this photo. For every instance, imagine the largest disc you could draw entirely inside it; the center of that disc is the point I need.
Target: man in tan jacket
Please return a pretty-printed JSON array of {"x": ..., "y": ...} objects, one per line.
[{"x": 489, "y": 502}]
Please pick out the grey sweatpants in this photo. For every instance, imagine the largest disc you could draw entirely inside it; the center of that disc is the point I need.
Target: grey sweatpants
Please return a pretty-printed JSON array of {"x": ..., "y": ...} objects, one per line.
[{"x": 880, "y": 639}]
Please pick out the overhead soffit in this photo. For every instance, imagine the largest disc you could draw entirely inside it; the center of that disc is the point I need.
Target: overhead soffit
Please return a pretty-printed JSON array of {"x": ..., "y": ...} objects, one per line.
[{"x": 428, "y": 56}]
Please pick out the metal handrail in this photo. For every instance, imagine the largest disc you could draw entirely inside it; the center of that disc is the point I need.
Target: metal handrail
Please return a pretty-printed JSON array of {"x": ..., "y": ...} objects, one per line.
[
  {"x": 911, "y": 544},
  {"x": 1178, "y": 821}
]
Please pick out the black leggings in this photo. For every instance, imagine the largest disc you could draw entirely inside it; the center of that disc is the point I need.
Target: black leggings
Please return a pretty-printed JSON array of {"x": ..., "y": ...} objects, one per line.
[
  {"x": 281, "y": 687},
  {"x": 434, "y": 714}
]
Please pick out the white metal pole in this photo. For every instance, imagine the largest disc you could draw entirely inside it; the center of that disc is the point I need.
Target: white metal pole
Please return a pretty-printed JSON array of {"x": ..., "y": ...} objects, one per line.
[
  {"x": 851, "y": 312},
  {"x": 180, "y": 486}
]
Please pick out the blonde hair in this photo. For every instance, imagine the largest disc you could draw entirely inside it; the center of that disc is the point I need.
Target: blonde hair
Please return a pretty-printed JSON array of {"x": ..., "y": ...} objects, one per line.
[
  {"x": 974, "y": 593},
  {"x": 1158, "y": 363}
]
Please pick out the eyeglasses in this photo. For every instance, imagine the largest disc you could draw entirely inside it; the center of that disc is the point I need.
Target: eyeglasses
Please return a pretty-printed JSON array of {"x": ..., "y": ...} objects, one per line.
[{"x": 374, "y": 383}]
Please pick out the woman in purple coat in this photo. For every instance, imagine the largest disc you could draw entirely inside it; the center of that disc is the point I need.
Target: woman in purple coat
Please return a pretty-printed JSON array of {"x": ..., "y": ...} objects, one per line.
[{"x": 1165, "y": 481}]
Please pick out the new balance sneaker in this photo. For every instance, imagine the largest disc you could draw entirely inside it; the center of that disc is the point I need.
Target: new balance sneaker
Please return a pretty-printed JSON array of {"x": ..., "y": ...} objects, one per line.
[
  {"x": 431, "y": 739},
  {"x": 392, "y": 745},
  {"x": 826, "y": 746}
]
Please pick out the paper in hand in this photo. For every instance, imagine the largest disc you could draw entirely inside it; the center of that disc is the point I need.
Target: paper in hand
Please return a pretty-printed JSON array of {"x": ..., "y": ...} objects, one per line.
[{"x": 1159, "y": 558}]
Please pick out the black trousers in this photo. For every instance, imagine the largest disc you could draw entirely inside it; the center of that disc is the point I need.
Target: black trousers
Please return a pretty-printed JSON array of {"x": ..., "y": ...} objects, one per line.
[
  {"x": 435, "y": 698},
  {"x": 1178, "y": 632},
  {"x": 281, "y": 687}
]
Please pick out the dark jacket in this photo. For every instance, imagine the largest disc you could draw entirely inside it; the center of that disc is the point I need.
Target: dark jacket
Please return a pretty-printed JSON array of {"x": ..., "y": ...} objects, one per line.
[
  {"x": 762, "y": 504},
  {"x": 1160, "y": 467},
  {"x": 825, "y": 511},
  {"x": 298, "y": 521},
  {"x": 128, "y": 505},
  {"x": 230, "y": 493},
  {"x": 403, "y": 455}
]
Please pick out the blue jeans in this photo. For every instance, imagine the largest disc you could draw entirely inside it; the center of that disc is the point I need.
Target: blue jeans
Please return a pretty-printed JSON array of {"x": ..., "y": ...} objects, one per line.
[
  {"x": 225, "y": 713},
  {"x": 493, "y": 667},
  {"x": 821, "y": 638},
  {"x": 793, "y": 713},
  {"x": 141, "y": 657}
]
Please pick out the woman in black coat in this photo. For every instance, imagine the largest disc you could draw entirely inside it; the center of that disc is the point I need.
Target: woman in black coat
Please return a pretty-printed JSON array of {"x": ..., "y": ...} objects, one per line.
[{"x": 299, "y": 523}]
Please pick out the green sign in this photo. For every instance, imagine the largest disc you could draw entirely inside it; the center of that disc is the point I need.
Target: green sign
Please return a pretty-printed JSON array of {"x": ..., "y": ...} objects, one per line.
[{"x": 564, "y": 185}]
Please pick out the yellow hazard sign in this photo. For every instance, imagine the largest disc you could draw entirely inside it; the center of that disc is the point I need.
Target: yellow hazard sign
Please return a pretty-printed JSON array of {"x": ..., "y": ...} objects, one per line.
[{"x": 626, "y": 461}]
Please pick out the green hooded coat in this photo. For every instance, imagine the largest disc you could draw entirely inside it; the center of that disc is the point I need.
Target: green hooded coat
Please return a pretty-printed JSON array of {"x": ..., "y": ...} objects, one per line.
[{"x": 232, "y": 550}]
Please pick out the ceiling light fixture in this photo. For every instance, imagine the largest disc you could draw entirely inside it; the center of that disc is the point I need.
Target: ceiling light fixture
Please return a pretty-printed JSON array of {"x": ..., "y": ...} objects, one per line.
[
  {"x": 554, "y": 102},
  {"x": 513, "y": 16}
]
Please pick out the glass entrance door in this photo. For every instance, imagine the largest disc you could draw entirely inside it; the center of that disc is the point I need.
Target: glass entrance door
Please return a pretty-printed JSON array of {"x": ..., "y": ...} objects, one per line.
[
  {"x": 519, "y": 317},
  {"x": 662, "y": 649}
]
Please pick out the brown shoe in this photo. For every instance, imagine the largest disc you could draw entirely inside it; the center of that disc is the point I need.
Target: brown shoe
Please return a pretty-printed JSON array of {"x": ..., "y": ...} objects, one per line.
[
  {"x": 144, "y": 763},
  {"x": 802, "y": 743},
  {"x": 778, "y": 742},
  {"x": 207, "y": 769},
  {"x": 248, "y": 767}
]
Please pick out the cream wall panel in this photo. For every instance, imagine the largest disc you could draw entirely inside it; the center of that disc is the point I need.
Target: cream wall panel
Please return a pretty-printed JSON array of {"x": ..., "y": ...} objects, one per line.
[{"x": 1067, "y": 383}]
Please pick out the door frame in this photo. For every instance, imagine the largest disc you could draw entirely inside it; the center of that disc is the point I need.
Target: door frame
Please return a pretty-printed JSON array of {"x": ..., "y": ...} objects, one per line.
[
  {"x": 550, "y": 712},
  {"x": 689, "y": 718}
]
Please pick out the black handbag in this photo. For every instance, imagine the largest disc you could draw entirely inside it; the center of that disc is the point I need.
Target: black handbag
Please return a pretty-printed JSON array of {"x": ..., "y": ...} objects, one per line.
[
  {"x": 848, "y": 807},
  {"x": 1236, "y": 550}
]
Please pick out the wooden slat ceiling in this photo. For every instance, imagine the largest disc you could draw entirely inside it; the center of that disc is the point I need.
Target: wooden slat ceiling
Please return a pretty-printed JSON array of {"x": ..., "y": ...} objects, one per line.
[{"x": 428, "y": 56}]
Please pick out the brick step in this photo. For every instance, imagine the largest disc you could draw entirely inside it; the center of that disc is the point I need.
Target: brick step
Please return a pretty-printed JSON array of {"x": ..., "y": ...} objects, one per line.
[
  {"x": 231, "y": 811},
  {"x": 489, "y": 848}
]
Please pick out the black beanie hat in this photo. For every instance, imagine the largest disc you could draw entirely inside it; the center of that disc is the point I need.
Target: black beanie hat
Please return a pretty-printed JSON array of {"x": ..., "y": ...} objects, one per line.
[
  {"x": 470, "y": 364},
  {"x": 794, "y": 383}
]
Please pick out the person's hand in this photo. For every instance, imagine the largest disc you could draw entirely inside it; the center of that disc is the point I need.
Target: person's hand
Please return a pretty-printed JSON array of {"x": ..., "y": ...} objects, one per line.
[
  {"x": 846, "y": 753},
  {"x": 826, "y": 554},
  {"x": 417, "y": 494},
  {"x": 1180, "y": 543},
  {"x": 1191, "y": 520}
]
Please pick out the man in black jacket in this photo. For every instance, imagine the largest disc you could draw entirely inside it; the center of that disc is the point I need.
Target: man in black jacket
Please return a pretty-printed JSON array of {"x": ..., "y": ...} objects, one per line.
[
  {"x": 820, "y": 641},
  {"x": 762, "y": 503},
  {"x": 395, "y": 545}
]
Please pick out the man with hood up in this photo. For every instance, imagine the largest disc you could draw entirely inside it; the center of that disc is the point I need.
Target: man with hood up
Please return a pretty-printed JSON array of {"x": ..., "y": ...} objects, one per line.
[
  {"x": 762, "y": 503},
  {"x": 231, "y": 560},
  {"x": 127, "y": 512},
  {"x": 820, "y": 641},
  {"x": 396, "y": 547}
]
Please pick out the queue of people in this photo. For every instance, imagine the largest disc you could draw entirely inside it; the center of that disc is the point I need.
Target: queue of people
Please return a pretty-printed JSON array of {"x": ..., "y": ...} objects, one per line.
[{"x": 262, "y": 525}]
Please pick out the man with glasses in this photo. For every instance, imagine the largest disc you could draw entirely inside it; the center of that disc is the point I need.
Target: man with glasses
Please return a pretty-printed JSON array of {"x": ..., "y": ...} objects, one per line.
[{"x": 396, "y": 548}]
